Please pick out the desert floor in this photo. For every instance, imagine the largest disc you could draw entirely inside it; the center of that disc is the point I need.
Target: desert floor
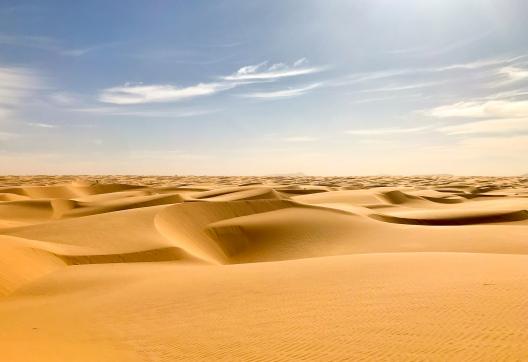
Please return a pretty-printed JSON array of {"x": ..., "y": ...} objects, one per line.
[{"x": 146, "y": 268}]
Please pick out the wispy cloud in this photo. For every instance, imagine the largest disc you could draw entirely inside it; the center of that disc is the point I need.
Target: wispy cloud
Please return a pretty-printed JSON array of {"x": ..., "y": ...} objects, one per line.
[
  {"x": 157, "y": 113},
  {"x": 514, "y": 73},
  {"x": 386, "y": 131},
  {"x": 138, "y": 94},
  {"x": 201, "y": 55},
  {"x": 300, "y": 139},
  {"x": 439, "y": 49},
  {"x": 48, "y": 44},
  {"x": 401, "y": 95},
  {"x": 504, "y": 125},
  {"x": 16, "y": 84},
  {"x": 63, "y": 98},
  {"x": 77, "y": 52},
  {"x": 502, "y": 108},
  {"x": 510, "y": 74},
  {"x": 285, "y": 93},
  {"x": 156, "y": 93},
  {"x": 497, "y": 62},
  {"x": 369, "y": 76},
  {"x": 401, "y": 87},
  {"x": 275, "y": 71},
  {"x": 477, "y": 64},
  {"x": 41, "y": 125},
  {"x": 300, "y": 62},
  {"x": 507, "y": 95}
]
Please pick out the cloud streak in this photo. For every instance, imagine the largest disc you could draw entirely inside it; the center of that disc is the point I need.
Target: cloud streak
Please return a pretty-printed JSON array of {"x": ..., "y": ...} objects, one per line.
[
  {"x": 157, "y": 113},
  {"x": 16, "y": 85},
  {"x": 41, "y": 125},
  {"x": 385, "y": 131},
  {"x": 506, "y": 125},
  {"x": 261, "y": 71},
  {"x": 401, "y": 87},
  {"x": 140, "y": 94},
  {"x": 285, "y": 93},
  {"x": 47, "y": 44},
  {"x": 506, "y": 64},
  {"x": 439, "y": 49},
  {"x": 502, "y": 108}
]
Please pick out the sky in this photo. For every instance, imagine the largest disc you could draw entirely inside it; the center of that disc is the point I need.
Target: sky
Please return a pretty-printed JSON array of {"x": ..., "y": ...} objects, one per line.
[{"x": 357, "y": 87}]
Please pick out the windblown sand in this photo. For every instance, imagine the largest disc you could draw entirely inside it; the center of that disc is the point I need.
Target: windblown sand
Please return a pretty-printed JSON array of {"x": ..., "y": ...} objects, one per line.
[{"x": 131, "y": 268}]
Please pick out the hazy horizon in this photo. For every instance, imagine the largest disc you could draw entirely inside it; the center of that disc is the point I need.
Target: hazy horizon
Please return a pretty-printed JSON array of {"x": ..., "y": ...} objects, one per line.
[{"x": 339, "y": 88}]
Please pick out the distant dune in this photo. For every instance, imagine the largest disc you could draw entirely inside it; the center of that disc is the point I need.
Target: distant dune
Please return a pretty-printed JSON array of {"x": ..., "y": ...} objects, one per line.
[
  {"x": 275, "y": 268},
  {"x": 288, "y": 174}
]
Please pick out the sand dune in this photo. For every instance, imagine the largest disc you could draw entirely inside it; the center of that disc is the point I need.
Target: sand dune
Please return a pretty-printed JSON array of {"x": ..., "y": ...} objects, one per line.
[{"x": 124, "y": 268}]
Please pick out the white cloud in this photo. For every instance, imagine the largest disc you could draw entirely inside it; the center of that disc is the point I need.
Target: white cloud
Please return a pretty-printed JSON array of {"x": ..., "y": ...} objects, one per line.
[
  {"x": 505, "y": 125},
  {"x": 138, "y": 94},
  {"x": 506, "y": 109},
  {"x": 250, "y": 69},
  {"x": 42, "y": 125},
  {"x": 47, "y": 44},
  {"x": 16, "y": 85},
  {"x": 158, "y": 113},
  {"x": 62, "y": 98},
  {"x": 368, "y": 76},
  {"x": 299, "y": 139},
  {"x": 504, "y": 62},
  {"x": 514, "y": 73},
  {"x": 401, "y": 87},
  {"x": 515, "y": 93},
  {"x": 397, "y": 95},
  {"x": 300, "y": 62},
  {"x": 477, "y": 64},
  {"x": 385, "y": 131},
  {"x": 259, "y": 71},
  {"x": 437, "y": 49},
  {"x": 278, "y": 66},
  {"x": 285, "y": 93},
  {"x": 77, "y": 52}
]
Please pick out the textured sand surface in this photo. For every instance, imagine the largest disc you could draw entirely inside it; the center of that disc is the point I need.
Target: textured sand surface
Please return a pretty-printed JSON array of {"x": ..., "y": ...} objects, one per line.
[{"x": 146, "y": 268}]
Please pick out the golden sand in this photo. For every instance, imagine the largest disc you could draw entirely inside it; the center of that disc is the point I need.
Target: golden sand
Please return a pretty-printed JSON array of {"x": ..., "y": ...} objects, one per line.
[{"x": 146, "y": 268}]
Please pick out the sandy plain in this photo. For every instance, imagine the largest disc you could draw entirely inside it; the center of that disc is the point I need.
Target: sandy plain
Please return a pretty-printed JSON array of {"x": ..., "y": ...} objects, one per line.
[{"x": 151, "y": 268}]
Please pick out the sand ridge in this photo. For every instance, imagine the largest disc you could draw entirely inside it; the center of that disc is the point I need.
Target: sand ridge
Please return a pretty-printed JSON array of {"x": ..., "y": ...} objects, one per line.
[{"x": 263, "y": 268}]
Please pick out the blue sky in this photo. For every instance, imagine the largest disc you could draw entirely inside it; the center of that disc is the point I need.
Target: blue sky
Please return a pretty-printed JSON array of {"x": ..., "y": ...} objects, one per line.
[{"x": 264, "y": 87}]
